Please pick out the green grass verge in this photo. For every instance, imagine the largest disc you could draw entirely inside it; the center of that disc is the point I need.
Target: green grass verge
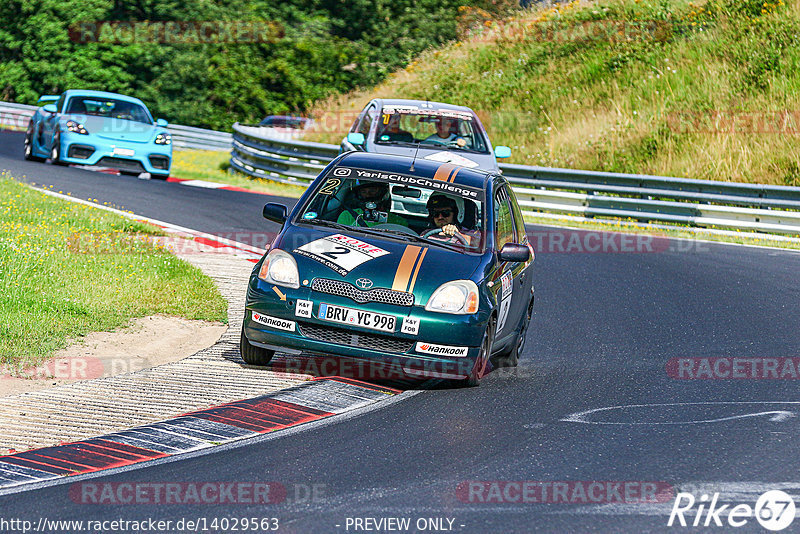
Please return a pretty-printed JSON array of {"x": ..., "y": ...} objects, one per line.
[
  {"x": 57, "y": 283},
  {"x": 211, "y": 166}
]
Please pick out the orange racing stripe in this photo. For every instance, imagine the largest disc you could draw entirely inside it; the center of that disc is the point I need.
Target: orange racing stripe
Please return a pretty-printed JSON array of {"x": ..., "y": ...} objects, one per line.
[
  {"x": 443, "y": 172},
  {"x": 416, "y": 270},
  {"x": 405, "y": 267}
]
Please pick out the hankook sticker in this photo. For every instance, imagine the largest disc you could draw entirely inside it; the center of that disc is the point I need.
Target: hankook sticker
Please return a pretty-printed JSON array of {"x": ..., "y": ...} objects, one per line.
[
  {"x": 273, "y": 322},
  {"x": 441, "y": 350}
]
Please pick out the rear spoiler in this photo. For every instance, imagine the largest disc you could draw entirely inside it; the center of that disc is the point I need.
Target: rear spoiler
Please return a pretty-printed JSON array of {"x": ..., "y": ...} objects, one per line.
[{"x": 47, "y": 99}]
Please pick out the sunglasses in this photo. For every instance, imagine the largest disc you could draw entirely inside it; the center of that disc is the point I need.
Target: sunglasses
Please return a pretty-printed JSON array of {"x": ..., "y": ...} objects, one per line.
[{"x": 442, "y": 213}]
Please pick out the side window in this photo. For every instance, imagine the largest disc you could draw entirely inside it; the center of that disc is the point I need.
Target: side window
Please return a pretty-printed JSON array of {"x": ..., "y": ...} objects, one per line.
[
  {"x": 60, "y": 104},
  {"x": 519, "y": 221},
  {"x": 366, "y": 121},
  {"x": 504, "y": 223}
]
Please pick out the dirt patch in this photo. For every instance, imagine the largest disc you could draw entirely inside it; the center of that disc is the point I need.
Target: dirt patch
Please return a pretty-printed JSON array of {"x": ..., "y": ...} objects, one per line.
[{"x": 147, "y": 342}]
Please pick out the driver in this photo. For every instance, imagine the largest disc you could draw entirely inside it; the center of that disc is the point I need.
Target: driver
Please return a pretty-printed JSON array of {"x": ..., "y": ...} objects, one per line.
[
  {"x": 446, "y": 133},
  {"x": 443, "y": 214},
  {"x": 372, "y": 206}
]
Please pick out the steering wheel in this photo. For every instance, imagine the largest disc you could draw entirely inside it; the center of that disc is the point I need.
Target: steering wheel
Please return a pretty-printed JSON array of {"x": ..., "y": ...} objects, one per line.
[{"x": 460, "y": 238}]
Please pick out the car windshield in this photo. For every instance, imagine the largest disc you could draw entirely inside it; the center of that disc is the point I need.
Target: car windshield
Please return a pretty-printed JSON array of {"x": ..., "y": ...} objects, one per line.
[
  {"x": 105, "y": 107},
  {"x": 374, "y": 201},
  {"x": 430, "y": 128}
]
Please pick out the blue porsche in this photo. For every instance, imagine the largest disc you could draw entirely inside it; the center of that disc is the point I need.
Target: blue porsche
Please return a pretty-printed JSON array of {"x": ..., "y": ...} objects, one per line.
[{"x": 100, "y": 129}]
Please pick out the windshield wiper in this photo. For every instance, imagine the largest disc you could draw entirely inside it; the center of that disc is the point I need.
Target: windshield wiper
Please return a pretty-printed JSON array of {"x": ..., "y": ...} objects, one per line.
[
  {"x": 346, "y": 227},
  {"x": 383, "y": 231},
  {"x": 405, "y": 143},
  {"x": 419, "y": 238},
  {"x": 322, "y": 222}
]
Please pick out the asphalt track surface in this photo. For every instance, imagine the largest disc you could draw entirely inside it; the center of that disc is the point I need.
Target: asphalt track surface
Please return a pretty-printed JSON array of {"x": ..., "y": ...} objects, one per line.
[{"x": 604, "y": 328}]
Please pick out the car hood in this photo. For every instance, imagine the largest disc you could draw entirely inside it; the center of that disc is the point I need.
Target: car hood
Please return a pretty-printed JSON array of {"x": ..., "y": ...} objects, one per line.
[
  {"x": 116, "y": 129},
  {"x": 486, "y": 162},
  {"x": 388, "y": 263}
]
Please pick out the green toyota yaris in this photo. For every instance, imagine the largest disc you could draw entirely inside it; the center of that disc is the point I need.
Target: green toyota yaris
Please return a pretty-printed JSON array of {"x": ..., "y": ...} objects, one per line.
[{"x": 412, "y": 264}]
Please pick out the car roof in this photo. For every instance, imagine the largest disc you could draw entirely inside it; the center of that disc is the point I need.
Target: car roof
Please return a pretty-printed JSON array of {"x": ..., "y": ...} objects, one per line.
[
  {"x": 422, "y": 167},
  {"x": 101, "y": 94},
  {"x": 421, "y": 104}
]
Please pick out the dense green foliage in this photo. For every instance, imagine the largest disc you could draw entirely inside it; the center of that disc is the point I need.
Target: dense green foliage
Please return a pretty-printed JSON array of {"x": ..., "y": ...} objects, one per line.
[{"x": 322, "y": 47}]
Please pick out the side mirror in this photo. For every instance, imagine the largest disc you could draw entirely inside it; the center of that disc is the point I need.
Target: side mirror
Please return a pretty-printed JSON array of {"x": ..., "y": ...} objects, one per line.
[
  {"x": 514, "y": 253},
  {"x": 502, "y": 152},
  {"x": 275, "y": 212},
  {"x": 162, "y": 123},
  {"x": 356, "y": 138},
  {"x": 50, "y": 108}
]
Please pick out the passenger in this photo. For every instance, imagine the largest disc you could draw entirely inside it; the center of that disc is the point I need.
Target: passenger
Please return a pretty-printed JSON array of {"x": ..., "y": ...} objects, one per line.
[{"x": 393, "y": 132}]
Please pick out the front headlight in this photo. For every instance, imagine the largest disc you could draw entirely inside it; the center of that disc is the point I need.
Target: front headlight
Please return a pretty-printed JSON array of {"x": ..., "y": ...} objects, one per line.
[
  {"x": 163, "y": 139},
  {"x": 458, "y": 297},
  {"x": 74, "y": 127},
  {"x": 279, "y": 268}
]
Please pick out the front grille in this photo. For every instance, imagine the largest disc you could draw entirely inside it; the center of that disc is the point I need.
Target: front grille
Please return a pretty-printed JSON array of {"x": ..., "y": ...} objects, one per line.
[
  {"x": 361, "y": 340},
  {"x": 121, "y": 164},
  {"x": 159, "y": 162},
  {"x": 378, "y": 294},
  {"x": 80, "y": 152}
]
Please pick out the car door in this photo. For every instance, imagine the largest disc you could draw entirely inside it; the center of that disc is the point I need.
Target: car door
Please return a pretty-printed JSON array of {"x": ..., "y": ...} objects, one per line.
[
  {"x": 526, "y": 277},
  {"x": 49, "y": 124},
  {"x": 511, "y": 275}
]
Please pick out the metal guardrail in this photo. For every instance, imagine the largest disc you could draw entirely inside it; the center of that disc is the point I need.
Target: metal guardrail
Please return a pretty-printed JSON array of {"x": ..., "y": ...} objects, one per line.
[
  {"x": 16, "y": 117},
  {"x": 283, "y": 160},
  {"x": 704, "y": 203}
]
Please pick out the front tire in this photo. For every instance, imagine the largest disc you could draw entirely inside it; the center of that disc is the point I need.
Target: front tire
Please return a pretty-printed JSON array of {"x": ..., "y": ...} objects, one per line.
[
  {"x": 156, "y": 176},
  {"x": 510, "y": 358},
  {"x": 475, "y": 376},
  {"x": 253, "y": 355},
  {"x": 28, "y": 155},
  {"x": 55, "y": 152}
]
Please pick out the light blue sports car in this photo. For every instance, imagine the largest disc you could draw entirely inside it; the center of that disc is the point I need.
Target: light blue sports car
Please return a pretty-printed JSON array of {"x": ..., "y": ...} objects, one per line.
[{"x": 102, "y": 129}]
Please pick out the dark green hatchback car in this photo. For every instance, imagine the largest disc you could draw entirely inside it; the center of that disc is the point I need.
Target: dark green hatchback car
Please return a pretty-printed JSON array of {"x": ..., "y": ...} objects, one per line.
[{"x": 411, "y": 264}]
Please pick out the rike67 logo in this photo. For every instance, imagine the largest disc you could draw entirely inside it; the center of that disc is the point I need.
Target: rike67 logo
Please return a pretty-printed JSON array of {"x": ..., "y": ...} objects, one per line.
[{"x": 774, "y": 510}]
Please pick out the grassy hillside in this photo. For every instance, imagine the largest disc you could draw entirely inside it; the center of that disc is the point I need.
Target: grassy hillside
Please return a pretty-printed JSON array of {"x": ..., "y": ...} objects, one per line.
[{"x": 670, "y": 87}]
